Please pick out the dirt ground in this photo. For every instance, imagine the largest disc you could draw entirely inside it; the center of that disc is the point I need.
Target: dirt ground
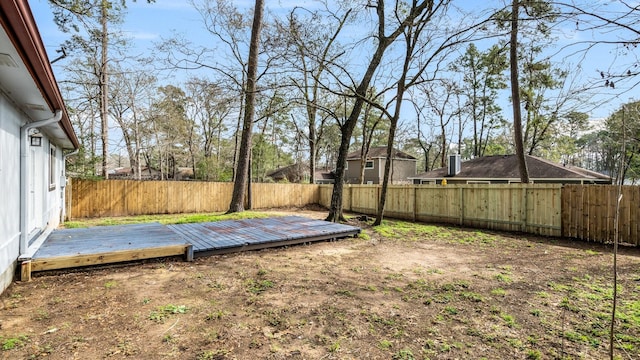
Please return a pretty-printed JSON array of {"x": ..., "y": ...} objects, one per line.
[{"x": 400, "y": 291}]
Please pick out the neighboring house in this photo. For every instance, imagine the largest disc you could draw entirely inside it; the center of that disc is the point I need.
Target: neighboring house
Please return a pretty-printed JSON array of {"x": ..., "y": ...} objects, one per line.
[
  {"x": 294, "y": 173},
  {"x": 403, "y": 166},
  {"x": 35, "y": 132},
  {"x": 121, "y": 173},
  {"x": 325, "y": 176},
  {"x": 150, "y": 173},
  {"x": 503, "y": 169}
]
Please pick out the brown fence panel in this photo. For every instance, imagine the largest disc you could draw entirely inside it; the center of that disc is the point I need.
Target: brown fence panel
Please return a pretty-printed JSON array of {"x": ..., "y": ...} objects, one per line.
[
  {"x": 400, "y": 202},
  {"x": 266, "y": 196},
  {"x": 589, "y": 213},
  {"x": 435, "y": 203},
  {"x": 89, "y": 198}
]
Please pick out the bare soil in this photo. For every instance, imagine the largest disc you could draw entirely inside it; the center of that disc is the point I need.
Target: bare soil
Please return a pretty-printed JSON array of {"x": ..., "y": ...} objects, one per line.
[{"x": 402, "y": 291}]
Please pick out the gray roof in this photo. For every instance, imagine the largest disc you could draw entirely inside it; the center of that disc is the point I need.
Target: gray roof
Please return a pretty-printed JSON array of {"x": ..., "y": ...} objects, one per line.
[
  {"x": 377, "y": 152},
  {"x": 506, "y": 167}
]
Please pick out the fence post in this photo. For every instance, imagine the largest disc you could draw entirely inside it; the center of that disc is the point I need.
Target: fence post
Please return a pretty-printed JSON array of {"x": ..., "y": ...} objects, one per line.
[
  {"x": 523, "y": 211},
  {"x": 461, "y": 205},
  {"x": 415, "y": 202}
]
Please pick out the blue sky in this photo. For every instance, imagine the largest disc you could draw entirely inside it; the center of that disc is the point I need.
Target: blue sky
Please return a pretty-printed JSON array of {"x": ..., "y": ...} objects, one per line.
[{"x": 146, "y": 24}]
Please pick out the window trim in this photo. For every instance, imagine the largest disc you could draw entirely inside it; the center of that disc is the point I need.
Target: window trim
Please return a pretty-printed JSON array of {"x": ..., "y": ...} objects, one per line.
[
  {"x": 52, "y": 167},
  {"x": 366, "y": 164}
]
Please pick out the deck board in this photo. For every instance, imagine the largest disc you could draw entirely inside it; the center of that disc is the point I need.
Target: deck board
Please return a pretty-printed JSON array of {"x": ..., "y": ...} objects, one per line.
[
  {"x": 69, "y": 248},
  {"x": 99, "y": 239},
  {"x": 222, "y": 236}
]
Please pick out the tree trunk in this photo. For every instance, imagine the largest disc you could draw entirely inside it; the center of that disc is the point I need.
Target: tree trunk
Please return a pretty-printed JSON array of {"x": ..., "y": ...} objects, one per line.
[
  {"x": 515, "y": 95},
  {"x": 242, "y": 169},
  {"x": 104, "y": 91},
  {"x": 236, "y": 148}
]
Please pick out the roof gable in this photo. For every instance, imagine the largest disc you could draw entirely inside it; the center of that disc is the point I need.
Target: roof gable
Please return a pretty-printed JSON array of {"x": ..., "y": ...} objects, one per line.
[{"x": 506, "y": 167}]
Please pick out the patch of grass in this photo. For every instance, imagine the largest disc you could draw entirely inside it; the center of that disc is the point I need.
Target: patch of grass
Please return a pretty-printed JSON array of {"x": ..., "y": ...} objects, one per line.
[
  {"x": 560, "y": 287},
  {"x": 334, "y": 347},
  {"x": 261, "y": 272},
  {"x": 213, "y": 354},
  {"x": 591, "y": 252},
  {"x": 534, "y": 355},
  {"x": 451, "y": 310},
  {"x": 374, "y": 318},
  {"x": 110, "y": 284},
  {"x": 499, "y": 292},
  {"x": 404, "y": 354},
  {"x": 471, "y": 296},
  {"x": 346, "y": 293},
  {"x": 385, "y": 344},
  {"x": 405, "y": 230},
  {"x": 568, "y": 305},
  {"x": 166, "y": 219},
  {"x": 394, "y": 276},
  {"x": 542, "y": 294},
  {"x": 259, "y": 286},
  {"x": 216, "y": 315},
  {"x": 13, "y": 342},
  {"x": 162, "y": 312},
  {"x": 509, "y": 320},
  {"x": 503, "y": 278},
  {"x": 575, "y": 336},
  {"x": 42, "y": 315}
]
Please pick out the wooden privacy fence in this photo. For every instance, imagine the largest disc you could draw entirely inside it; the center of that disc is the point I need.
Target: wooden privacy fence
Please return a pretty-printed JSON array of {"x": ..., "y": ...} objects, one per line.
[
  {"x": 585, "y": 212},
  {"x": 589, "y": 212},
  {"x": 532, "y": 208},
  {"x": 89, "y": 198}
]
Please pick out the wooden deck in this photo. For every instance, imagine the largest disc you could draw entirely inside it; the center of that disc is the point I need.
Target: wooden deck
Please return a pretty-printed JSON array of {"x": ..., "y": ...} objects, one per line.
[
  {"x": 71, "y": 248},
  {"x": 252, "y": 234}
]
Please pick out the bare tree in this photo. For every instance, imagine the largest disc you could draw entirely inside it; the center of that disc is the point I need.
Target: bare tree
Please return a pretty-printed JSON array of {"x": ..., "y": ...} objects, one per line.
[
  {"x": 383, "y": 41},
  {"x": 242, "y": 170},
  {"x": 311, "y": 41}
]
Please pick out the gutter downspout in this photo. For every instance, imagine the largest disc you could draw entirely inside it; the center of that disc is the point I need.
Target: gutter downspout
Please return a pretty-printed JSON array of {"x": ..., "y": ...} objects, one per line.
[
  {"x": 63, "y": 213},
  {"x": 24, "y": 175}
]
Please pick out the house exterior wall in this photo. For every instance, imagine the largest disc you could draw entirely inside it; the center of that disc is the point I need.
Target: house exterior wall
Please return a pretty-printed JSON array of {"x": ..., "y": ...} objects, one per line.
[
  {"x": 402, "y": 169},
  {"x": 352, "y": 172},
  {"x": 45, "y": 201},
  {"x": 373, "y": 175},
  {"x": 10, "y": 121}
]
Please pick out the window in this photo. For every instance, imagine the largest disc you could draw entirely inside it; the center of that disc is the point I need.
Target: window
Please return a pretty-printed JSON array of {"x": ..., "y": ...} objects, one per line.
[
  {"x": 52, "y": 167},
  {"x": 368, "y": 164}
]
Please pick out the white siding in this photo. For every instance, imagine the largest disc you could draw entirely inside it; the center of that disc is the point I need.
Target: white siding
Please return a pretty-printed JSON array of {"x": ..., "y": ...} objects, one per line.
[
  {"x": 45, "y": 203},
  {"x": 10, "y": 185}
]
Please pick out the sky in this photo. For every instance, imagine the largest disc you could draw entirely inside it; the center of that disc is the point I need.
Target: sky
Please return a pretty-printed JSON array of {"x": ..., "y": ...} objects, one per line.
[{"x": 146, "y": 24}]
